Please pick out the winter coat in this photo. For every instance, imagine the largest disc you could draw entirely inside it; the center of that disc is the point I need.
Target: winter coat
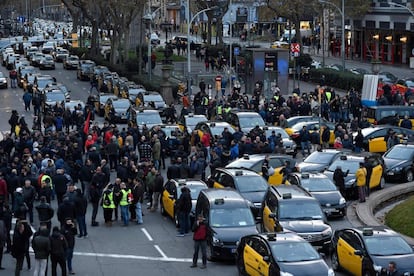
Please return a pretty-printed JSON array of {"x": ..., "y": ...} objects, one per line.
[
  {"x": 41, "y": 244},
  {"x": 58, "y": 244}
]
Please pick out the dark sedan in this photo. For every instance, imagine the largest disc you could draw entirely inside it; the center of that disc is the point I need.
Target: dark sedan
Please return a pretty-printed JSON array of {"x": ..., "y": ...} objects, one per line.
[
  {"x": 318, "y": 161},
  {"x": 323, "y": 189},
  {"x": 399, "y": 163}
]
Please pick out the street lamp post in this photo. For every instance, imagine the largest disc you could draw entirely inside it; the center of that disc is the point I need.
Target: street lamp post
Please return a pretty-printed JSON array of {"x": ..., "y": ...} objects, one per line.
[
  {"x": 150, "y": 17},
  {"x": 402, "y": 6},
  {"x": 188, "y": 42},
  {"x": 342, "y": 13}
]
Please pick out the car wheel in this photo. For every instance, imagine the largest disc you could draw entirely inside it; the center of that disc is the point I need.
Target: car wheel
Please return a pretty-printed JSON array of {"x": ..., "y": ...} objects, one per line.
[
  {"x": 409, "y": 176},
  {"x": 240, "y": 266},
  {"x": 382, "y": 183},
  {"x": 335, "y": 261},
  {"x": 210, "y": 252}
]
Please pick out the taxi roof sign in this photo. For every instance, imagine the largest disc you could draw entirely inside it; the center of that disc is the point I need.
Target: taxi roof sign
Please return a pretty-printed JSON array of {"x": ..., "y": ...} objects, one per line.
[
  {"x": 219, "y": 201},
  {"x": 271, "y": 236},
  {"x": 368, "y": 231},
  {"x": 181, "y": 182},
  {"x": 287, "y": 196}
]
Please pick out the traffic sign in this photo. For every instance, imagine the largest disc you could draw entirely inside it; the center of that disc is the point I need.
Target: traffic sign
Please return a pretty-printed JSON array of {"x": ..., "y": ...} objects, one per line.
[
  {"x": 236, "y": 51},
  {"x": 295, "y": 48}
]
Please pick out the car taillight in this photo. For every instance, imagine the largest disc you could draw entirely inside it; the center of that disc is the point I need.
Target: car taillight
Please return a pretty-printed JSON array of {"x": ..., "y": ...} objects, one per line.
[{"x": 295, "y": 135}]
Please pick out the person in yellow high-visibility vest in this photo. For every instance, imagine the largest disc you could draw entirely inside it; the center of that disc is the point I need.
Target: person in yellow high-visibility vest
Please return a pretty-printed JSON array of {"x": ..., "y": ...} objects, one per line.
[
  {"x": 108, "y": 204},
  {"x": 124, "y": 202}
]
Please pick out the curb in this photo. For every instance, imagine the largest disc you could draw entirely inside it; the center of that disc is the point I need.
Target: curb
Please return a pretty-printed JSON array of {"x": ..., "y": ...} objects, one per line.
[{"x": 365, "y": 211}]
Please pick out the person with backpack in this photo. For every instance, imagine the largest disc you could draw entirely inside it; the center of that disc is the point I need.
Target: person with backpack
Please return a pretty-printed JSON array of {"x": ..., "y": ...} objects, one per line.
[{"x": 108, "y": 204}]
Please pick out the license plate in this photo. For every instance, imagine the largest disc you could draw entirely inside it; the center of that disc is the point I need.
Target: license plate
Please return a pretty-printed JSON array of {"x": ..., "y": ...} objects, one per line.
[
  {"x": 390, "y": 173},
  {"x": 330, "y": 210},
  {"x": 233, "y": 250}
]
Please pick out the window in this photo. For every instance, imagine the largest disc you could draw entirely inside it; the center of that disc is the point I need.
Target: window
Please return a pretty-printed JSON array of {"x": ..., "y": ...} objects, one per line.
[
  {"x": 352, "y": 239},
  {"x": 260, "y": 247},
  {"x": 271, "y": 202}
]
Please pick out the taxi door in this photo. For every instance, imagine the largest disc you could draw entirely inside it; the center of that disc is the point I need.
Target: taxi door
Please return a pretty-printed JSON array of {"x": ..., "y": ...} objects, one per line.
[
  {"x": 377, "y": 145},
  {"x": 376, "y": 176},
  {"x": 270, "y": 207},
  {"x": 169, "y": 197},
  {"x": 219, "y": 182},
  {"x": 347, "y": 257},
  {"x": 251, "y": 259},
  {"x": 276, "y": 178}
]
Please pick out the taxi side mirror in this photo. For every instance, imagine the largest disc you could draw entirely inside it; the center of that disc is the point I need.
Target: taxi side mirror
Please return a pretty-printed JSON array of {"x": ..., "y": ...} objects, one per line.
[
  {"x": 358, "y": 253},
  {"x": 266, "y": 259}
]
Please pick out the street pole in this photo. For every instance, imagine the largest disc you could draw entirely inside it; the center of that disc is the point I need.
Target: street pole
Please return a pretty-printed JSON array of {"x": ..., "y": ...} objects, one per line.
[
  {"x": 342, "y": 13},
  {"x": 149, "y": 43},
  {"x": 231, "y": 45},
  {"x": 189, "y": 21}
]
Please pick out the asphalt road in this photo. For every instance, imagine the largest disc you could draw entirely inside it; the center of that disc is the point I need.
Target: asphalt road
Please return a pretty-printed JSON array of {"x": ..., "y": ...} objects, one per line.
[{"x": 148, "y": 249}]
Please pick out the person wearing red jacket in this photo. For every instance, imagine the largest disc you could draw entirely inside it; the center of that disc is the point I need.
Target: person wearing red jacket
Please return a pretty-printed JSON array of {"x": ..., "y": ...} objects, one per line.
[
  {"x": 4, "y": 196},
  {"x": 200, "y": 240}
]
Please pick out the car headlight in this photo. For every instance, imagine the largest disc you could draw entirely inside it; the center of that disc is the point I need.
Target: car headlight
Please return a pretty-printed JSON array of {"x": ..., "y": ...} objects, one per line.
[
  {"x": 396, "y": 169},
  {"x": 327, "y": 232},
  {"x": 331, "y": 272},
  {"x": 350, "y": 182},
  {"x": 217, "y": 241},
  {"x": 377, "y": 268},
  {"x": 342, "y": 201},
  {"x": 282, "y": 273}
]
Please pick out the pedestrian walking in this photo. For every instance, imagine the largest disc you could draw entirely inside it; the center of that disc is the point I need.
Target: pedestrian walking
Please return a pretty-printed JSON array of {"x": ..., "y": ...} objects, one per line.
[
  {"x": 81, "y": 205},
  {"x": 29, "y": 193},
  {"x": 138, "y": 194},
  {"x": 157, "y": 190},
  {"x": 184, "y": 206},
  {"x": 339, "y": 179},
  {"x": 200, "y": 241},
  {"x": 69, "y": 232},
  {"x": 360, "y": 175},
  {"x": 27, "y": 99},
  {"x": 94, "y": 198},
  {"x": 41, "y": 248},
  {"x": 45, "y": 213},
  {"x": 58, "y": 246},
  {"x": 20, "y": 245}
]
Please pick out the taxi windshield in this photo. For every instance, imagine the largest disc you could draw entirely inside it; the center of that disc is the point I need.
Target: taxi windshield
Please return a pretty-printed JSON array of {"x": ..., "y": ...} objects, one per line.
[
  {"x": 194, "y": 190},
  {"x": 218, "y": 130},
  {"x": 149, "y": 119},
  {"x": 387, "y": 245},
  {"x": 294, "y": 252},
  {"x": 231, "y": 217},
  {"x": 193, "y": 121},
  {"x": 242, "y": 163},
  {"x": 300, "y": 210},
  {"x": 319, "y": 157},
  {"x": 351, "y": 165},
  {"x": 318, "y": 184},
  {"x": 251, "y": 121},
  {"x": 400, "y": 153},
  {"x": 250, "y": 184}
]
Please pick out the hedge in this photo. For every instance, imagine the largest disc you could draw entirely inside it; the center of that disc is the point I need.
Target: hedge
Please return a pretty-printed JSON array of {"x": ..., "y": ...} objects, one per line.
[{"x": 337, "y": 79}]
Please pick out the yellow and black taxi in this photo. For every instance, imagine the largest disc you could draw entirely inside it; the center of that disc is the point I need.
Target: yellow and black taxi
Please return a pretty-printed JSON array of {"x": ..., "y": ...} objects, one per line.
[
  {"x": 254, "y": 162},
  {"x": 245, "y": 121},
  {"x": 311, "y": 126},
  {"x": 189, "y": 121},
  {"x": 375, "y": 137},
  {"x": 350, "y": 162},
  {"x": 172, "y": 192},
  {"x": 319, "y": 160},
  {"x": 85, "y": 69},
  {"x": 282, "y": 253},
  {"x": 118, "y": 110},
  {"x": 143, "y": 116},
  {"x": 399, "y": 163},
  {"x": 386, "y": 114},
  {"x": 248, "y": 183},
  {"x": 323, "y": 189},
  {"x": 228, "y": 218},
  {"x": 292, "y": 208},
  {"x": 215, "y": 129},
  {"x": 367, "y": 251},
  {"x": 100, "y": 102},
  {"x": 153, "y": 99}
]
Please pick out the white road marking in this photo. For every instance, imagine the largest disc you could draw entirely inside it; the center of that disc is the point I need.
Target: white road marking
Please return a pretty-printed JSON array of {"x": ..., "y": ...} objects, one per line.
[
  {"x": 134, "y": 257},
  {"x": 147, "y": 234},
  {"x": 160, "y": 251}
]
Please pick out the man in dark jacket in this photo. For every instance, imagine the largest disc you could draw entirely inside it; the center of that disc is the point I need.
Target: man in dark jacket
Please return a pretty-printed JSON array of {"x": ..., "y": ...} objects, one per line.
[
  {"x": 66, "y": 210},
  {"x": 94, "y": 197},
  {"x": 173, "y": 171},
  {"x": 304, "y": 137},
  {"x": 60, "y": 183},
  {"x": 29, "y": 193},
  {"x": 184, "y": 206},
  {"x": 138, "y": 193},
  {"x": 326, "y": 135},
  {"x": 58, "y": 246},
  {"x": 41, "y": 247},
  {"x": 157, "y": 190},
  {"x": 85, "y": 176},
  {"x": 69, "y": 231},
  {"x": 45, "y": 212},
  {"x": 20, "y": 247},
  {"x": 339, "y": 179},
  {"x": 81, "y": 205}
]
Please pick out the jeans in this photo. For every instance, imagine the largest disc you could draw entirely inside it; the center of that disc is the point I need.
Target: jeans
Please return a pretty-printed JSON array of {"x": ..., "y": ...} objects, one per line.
[
  {"x": 125, "y": 214},
  {"x": 155, "y": 200},
  {"x": 40, "y": 267},
  {"x": 69, "y": 257},
  {"x": 82, "y": 225},
  {"x": 138, "y": 211},
  {"x": 30, "y": 211},
  {"x": 95, "y": 206},
  {"x": 184, "y": 221},
  {"x": 305, "y": 145},
  {"x": 203, "y": 245}
]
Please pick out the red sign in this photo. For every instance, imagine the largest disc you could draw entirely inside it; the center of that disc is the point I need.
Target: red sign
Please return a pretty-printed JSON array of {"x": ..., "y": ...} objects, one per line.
[{"x": 295, "y": 48}]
